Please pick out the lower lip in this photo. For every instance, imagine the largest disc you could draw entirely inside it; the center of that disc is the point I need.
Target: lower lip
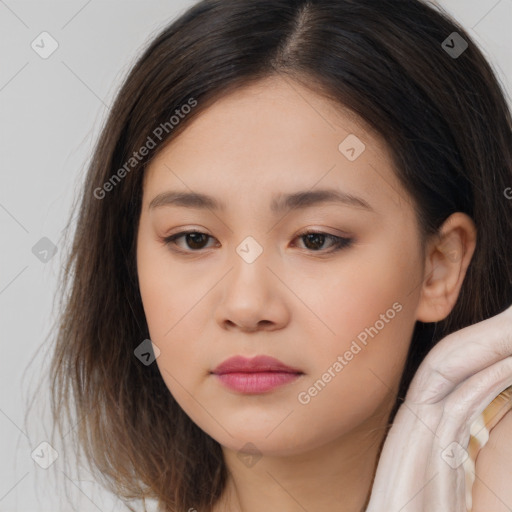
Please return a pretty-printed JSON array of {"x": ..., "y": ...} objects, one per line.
[{"x": 257, "y": 382}]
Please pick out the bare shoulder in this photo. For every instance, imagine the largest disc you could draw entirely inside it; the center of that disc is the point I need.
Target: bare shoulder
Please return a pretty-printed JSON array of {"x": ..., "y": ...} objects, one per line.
[{"x": 492, "y": 489}]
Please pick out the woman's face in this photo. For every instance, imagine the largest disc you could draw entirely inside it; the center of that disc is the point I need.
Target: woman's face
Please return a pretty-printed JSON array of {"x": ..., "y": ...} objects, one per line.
[{"x": 253, "y": 284}]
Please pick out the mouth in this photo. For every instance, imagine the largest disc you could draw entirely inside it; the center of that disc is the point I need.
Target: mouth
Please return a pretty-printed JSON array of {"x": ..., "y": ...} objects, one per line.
[{"x": 256, "y": 375}]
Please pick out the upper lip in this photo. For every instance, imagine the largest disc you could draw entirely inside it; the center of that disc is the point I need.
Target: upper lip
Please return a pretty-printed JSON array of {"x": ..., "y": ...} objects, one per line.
[{"x": 240, "y": 364}]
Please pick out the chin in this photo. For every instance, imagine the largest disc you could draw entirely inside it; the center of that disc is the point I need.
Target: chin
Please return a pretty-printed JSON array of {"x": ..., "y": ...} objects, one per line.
[{"x": 277, "y": 441}]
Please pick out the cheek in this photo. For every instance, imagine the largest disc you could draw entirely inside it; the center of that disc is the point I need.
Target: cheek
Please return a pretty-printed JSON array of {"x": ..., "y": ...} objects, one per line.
[
  {"x": 174, "y": 306},
  {"x": 169, "y": 315},
  {"x": 376, "y": 288},
  {"x": 370, "y": 309},
  {"x": 355, "y": 381},
  {"x": 167, "y": 293}
]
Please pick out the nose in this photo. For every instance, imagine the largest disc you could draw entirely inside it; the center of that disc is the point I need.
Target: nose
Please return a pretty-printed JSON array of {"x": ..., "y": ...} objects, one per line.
[{"x": 252, "y": 297}]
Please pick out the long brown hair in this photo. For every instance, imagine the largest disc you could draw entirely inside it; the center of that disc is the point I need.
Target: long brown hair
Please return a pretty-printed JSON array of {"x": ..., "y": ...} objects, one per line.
[{"x": 447, "y": 124}]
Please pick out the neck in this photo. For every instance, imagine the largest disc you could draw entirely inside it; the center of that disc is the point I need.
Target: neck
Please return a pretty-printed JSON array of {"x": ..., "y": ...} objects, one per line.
[{"x": 336, "y": 476}]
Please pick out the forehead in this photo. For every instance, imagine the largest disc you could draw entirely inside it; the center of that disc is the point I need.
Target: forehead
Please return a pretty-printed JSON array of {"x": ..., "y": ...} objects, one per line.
[{"x": 275, "y": 135}]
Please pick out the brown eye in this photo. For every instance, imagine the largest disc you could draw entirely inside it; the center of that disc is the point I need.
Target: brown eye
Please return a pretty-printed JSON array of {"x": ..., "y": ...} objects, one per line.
[
  {"x": 194, "y": 240},
  {"x": 314, "y": 241}
]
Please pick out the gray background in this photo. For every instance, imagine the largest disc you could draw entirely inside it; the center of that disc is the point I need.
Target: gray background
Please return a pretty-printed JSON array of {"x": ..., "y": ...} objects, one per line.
[{"x": 51, "y": 113}]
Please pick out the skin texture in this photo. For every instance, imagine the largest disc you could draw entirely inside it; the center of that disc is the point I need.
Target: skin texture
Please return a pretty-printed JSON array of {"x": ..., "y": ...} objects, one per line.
[
  {"x": 492, "y": 489},
  {"x": 301, "y": 304}
]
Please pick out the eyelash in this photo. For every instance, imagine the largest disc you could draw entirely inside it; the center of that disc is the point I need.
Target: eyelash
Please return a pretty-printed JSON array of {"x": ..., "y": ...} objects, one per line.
[{"x": 339, "y": 243}]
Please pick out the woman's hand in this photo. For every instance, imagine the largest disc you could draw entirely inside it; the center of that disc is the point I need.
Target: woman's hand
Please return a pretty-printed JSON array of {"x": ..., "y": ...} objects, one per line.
[{"x": 421, "y": 465}]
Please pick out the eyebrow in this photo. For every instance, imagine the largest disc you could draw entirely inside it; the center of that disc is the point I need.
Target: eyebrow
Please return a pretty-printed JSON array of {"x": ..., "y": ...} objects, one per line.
[{"x": 280, "y": 203}]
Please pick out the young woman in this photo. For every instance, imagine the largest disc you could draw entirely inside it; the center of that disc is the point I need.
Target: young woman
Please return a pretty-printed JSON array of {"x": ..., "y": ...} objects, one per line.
[{"x": 291, "y": 204}]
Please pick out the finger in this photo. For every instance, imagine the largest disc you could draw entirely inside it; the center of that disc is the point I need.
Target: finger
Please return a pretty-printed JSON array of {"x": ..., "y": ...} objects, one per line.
[
  {"x": 460, "y": 355},
  {"x": 466, "y": 403}
]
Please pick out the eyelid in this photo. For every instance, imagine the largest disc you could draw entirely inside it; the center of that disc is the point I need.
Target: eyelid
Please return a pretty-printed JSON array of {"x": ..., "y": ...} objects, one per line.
[{"x": 339, "y": 241}]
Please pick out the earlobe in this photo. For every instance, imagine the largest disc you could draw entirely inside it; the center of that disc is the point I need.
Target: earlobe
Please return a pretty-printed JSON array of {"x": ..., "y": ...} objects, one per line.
[{"x": 447, "y": 257}]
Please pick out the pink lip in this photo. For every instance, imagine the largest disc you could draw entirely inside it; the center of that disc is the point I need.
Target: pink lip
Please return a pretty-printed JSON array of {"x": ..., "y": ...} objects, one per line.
[{"x": 255, "y": 375}]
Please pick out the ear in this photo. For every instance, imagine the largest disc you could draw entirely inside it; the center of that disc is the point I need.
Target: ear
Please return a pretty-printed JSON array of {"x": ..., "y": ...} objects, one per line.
[{"x": 447, "y": 257}]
